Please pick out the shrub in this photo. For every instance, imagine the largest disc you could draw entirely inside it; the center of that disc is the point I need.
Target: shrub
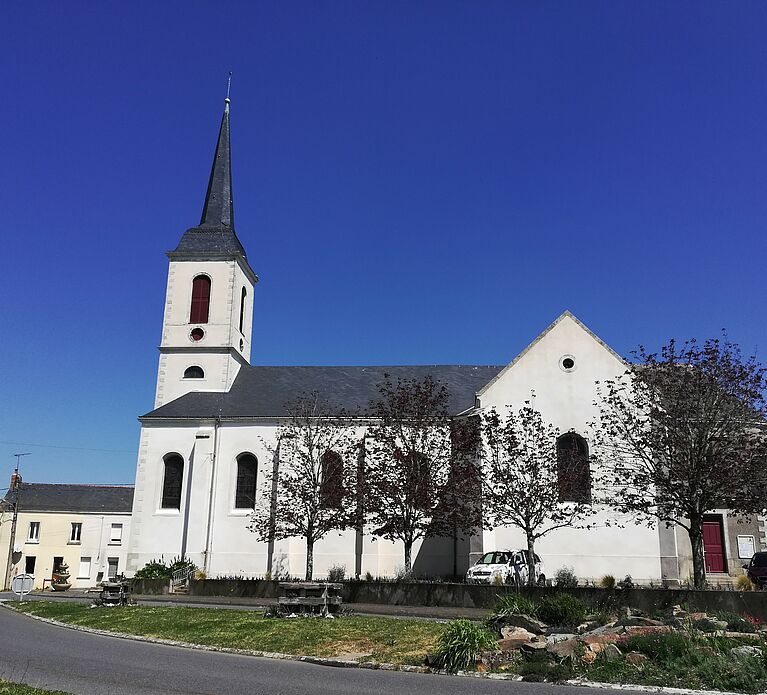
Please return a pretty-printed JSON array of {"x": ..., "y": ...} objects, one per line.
[
  {"x": 368, "y": 577},
  {"x": 513, "y": 603},
  {"x": 402, "y": 575},
  {"x": 665, "y": 647},
  {"x": 460, "y": 645},
  {"x": 737, "y": 623},
  {"x": 743, "y": 583},
  {"x": 337, "y": 573},
  {"x": 154, "y": 569},
  {"x": 607, "y": 582},
  {"x": 561, "y": 610},
  {"x": 626, "y": 583},
  {"x": 565, "y": 578}
]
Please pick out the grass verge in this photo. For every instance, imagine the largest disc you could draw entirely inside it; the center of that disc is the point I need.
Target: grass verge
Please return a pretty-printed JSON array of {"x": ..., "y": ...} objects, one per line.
[
  {"x": 7, "y": 688},
  {"x": 385, "y": 640}
]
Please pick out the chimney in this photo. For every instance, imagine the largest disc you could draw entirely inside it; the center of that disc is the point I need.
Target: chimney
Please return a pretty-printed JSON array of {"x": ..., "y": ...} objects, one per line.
[{"x": 15, "y": 480}]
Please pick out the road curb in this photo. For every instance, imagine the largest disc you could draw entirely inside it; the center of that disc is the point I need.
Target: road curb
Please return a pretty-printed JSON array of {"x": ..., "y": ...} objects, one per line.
[{"x": 342, "y": 663}]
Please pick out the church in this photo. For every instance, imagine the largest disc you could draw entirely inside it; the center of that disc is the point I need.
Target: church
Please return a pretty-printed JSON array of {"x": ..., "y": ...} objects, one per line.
[{"x": 217, "y": 411}]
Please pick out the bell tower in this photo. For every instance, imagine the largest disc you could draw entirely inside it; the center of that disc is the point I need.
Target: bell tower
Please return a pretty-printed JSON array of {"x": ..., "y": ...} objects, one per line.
[{"x": 207, "y": 324}]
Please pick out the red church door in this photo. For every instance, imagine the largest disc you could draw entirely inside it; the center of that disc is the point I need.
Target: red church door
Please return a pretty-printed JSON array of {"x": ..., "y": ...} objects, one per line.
[{"x": 713, "y": 545}]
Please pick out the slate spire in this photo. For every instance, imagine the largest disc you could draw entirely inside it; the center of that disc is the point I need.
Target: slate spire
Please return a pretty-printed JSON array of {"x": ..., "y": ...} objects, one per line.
[
  {"x": 215, "y": 235},
  {"x": 218, "y": 210}
]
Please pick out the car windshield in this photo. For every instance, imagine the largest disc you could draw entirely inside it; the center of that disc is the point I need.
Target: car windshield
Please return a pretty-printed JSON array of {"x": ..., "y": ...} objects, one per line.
[
  {"x": 493, "y": 559},
  {"x": 759, "y": 560}
]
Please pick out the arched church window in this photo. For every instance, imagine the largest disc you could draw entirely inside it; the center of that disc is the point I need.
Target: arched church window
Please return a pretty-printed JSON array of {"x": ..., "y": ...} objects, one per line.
[
  {"x": 331, "y": 480},
  {"x": 194, "y": 372},
  {"x": 245, "y": 489},
  {"x": 172, "y": 482},
  {"x": 573, "y": 471},
  {"x": 200, "y": 299},
  {"x": 242, "y": 308}
]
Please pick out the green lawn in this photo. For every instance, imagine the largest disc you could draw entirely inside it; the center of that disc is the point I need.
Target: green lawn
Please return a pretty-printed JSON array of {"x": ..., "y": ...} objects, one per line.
[
  {"x": 7, "y": 688},
  {"x": 386, "y": 640}
]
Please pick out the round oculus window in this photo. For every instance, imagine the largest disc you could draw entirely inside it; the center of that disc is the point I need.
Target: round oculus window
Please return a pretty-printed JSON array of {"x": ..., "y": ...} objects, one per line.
[
  {"x": 567, "y": 363},
  {"x": 197, "y": 334}
]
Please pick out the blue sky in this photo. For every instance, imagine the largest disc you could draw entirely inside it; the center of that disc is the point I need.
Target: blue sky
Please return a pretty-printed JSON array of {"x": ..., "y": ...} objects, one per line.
[{"x": 415, "y": 182}]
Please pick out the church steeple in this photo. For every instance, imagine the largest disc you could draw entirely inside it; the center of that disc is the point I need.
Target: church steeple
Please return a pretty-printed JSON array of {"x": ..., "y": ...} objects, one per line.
[
  {"x": 218, "y": 210},
  {"x": 215, "y": 235},
  {"x": 207, "y": 327}
]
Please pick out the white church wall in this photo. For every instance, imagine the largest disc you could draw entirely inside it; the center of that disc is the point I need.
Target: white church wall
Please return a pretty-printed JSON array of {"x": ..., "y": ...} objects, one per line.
[{"x": 566, "y": 400}]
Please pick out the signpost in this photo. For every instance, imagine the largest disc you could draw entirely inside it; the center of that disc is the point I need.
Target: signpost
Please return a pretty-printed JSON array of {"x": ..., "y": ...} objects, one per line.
[{"x": 22, "y": 584}]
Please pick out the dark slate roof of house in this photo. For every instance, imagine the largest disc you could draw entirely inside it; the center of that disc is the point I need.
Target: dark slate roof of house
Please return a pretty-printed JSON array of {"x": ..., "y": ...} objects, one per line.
[
  {"x": 266, "y": 391},
  {"x": 93, "y": 499}
]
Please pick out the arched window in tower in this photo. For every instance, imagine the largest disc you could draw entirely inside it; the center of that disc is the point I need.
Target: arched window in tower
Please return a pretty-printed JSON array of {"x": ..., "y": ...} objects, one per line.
[
  {"x": 573, "y": 471},
  {"x": 200, "y": 299},
  {"x": 194, "y": 372},
  {"x": 173, "y": 479},
  {"x": 331, "y": 480},
  {"x": 245, "y": 489},
  {"x": 242, "y": 308}
]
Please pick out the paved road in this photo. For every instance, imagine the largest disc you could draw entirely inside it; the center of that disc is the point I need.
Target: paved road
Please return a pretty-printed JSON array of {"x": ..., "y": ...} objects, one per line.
[{"x": 47, "y": 656}]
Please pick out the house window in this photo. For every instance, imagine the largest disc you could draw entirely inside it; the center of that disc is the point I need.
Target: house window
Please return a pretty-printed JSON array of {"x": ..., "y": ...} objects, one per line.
[
  {"x": 84, "y": 572},
  {"x": 33, "y": 536},
  {"x": 29, "y": 564},
  {"x": 242, "y": 308},
  {"x": 194, "y": 373},
  {"x": 116, "y": 538},
  {"x": 75, "y": 532},
  {"x": 245, "y": 493},
  {"x": 573, "y": 471},
  {"x": 112, "y": 563},
  {"x": 332, "y": 480},
  {"x": 200, "y": 299},
  {"x": 172, "y": 481}
]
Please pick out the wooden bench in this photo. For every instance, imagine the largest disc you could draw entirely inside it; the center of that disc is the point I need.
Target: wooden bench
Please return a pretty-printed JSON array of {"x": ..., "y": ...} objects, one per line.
[{"x": 310, "y": 597}]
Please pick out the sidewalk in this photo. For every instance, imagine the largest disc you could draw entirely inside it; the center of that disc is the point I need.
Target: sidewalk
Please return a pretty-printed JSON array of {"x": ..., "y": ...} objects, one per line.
[{"x": 243, "y": 603}]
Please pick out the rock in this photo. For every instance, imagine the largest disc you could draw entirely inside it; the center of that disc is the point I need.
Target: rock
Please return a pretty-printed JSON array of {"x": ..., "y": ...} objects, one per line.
[
  {"x": 513, "y": 637},
  {"x": 590, "y": 655},
  {"x": 648, "y": 630},
  {"x": 533, "y": 647},
  {"x": 638, "y": 621},
  {"x": 599, "y": 639},
  {"x": 636, "y": 658},
  {"x": 746, "y": 650},
  {"x": 710, "y": 625},
  {"x": 563, "y": 648},
  {"x": 611, "y": 651},
  {"x": 677, "y": 612},
  {"x": 559, "y": 637},
  {"x": 587, "y": 627},
  {"x": 526, "y": 622}
]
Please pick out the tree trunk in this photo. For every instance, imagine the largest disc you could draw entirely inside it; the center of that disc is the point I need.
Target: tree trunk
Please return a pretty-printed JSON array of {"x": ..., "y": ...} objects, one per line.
[
  {"x": 408, "y": 556},
  {"x": 530, "y": 560},
  {"x": 698, "y": 563},
  {"x": 309, "y": 559}
]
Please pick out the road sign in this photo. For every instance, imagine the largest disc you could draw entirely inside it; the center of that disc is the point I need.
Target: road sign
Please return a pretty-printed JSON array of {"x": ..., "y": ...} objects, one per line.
[{"x": 22, "y": 584}]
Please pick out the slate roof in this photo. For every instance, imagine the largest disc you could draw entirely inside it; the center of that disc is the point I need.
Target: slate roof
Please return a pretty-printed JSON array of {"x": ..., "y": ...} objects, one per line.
[
  {"x": 215, "y": 234},
  {"x": 94, "y": 499},
  {"x": 265, "y": 391}
]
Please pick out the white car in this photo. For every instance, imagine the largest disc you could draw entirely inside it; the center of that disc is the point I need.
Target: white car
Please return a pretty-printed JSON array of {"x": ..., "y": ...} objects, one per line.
[{"x": 509, "y": 565}]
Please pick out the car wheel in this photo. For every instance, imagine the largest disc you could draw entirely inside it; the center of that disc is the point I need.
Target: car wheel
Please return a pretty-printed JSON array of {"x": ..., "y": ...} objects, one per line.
[{"x": 541, "y": 580}]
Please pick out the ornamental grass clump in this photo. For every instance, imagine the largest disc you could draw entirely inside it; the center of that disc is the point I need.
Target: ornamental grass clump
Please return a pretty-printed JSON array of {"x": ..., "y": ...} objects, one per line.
[
  {"x": 511, "y": 604},
  {"x": 461, "y": 644},
  {"x": 561, "y": 610}
]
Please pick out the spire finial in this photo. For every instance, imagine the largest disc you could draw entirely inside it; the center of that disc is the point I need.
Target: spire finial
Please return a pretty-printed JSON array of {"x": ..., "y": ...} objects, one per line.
[{"x": 228, "y": 87}]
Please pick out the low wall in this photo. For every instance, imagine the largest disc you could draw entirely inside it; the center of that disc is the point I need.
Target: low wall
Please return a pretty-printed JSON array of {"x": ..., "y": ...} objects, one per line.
[{"x": 477, "y": 596}]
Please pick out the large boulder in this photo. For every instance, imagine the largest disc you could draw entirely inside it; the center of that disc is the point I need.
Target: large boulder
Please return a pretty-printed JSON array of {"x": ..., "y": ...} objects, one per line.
[
  {"x": 563, "y": 648},
  {"x": 527, "y": 622},
  {"x": 514, "y": 637},
  {"x": 746, "y": 650}
]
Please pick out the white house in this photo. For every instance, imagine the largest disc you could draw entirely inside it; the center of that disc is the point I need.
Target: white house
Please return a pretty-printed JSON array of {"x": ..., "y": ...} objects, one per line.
[
  {"x": 86, "y": 526},
  {"x": 203, "y": 446}
]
